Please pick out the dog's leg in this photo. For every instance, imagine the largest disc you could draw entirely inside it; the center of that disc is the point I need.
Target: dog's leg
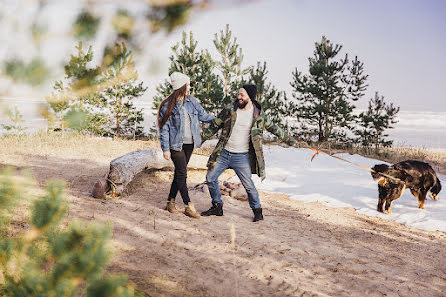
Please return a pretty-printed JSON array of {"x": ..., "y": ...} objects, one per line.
[
  {"x": 387, "y": 207},
  {"x": 416, "y": 194},
  {"x": 422, "y": 198},
  {"x": 382, "y": 191},
  {"x": 396, "y": 193},
  {"x": 380, "y": 205}
]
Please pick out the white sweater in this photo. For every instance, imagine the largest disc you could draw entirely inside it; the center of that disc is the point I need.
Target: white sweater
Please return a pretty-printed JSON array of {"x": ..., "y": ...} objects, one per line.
[
  {"x": 187, "y": 139},
  {"x": 238, "y": 142}
]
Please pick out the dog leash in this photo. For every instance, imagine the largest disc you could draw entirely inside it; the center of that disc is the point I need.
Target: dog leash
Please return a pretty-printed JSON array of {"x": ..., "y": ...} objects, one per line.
[
  {"x": 342, "y": 159},
  {"x": 358, "y": 165}
]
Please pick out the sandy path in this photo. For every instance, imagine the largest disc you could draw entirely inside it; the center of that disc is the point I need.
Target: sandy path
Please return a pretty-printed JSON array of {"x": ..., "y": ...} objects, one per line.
[{"x": 301, "y": 249}]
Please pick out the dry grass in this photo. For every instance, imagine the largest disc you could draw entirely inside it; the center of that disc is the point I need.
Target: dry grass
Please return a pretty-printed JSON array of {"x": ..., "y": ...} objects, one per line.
[
  {"x": 103, "y": 150},
  {"x": 72, "y": 146},
  {"x": 437, "y": 159},
  {"x": 403, "y": 153}
]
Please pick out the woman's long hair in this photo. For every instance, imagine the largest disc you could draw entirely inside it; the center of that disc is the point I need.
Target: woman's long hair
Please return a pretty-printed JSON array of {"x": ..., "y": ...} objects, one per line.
[{"x": 171, "y": 101}]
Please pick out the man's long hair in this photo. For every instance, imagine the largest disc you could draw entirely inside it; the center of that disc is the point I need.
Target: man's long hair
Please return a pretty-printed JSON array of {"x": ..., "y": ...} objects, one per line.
[{"x": 171, "y": 101}]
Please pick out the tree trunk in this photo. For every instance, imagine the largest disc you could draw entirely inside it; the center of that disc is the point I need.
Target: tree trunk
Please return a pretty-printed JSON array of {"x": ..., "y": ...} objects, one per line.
[
  {"x": 118, "y": 114},
  {"x": 321, "y": 128},
  {"x": 117, "y": 125},
  {"x": 377, "y": 141},
  {"x": 125, "y": 168}
]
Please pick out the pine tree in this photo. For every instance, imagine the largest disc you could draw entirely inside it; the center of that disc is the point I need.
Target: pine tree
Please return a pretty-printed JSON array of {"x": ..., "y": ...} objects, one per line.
[
  {"x": 206, "y": 86},
  {"x": 215, "y": 84},
  {"x": 50, "y": 260},
  {"x": 77, "y": 95},
  {"x": 98, "y": 100},
  {"x": 274, "y": 102},
  {"x": 230, "y": 64},
  {"x": 379, "y": 117},
  {"x": 209, "y": 87},
  {"x": 121, "y": 91},
  {"x": 325, "y": 96},
  {"x": 185, "y": 59}
]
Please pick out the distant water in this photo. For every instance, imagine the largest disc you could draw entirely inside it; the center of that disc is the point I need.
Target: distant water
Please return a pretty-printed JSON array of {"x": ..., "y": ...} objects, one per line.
[
  {"x": 423, "y": 129},
  {"x": 420, "y": 129}
]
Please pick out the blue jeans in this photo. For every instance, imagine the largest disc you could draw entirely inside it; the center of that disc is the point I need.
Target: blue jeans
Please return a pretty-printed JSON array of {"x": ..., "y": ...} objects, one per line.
[{"x": 240, "y": 163}]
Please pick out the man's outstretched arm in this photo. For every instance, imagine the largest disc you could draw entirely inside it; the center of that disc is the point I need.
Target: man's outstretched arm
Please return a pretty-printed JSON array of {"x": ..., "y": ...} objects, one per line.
[
  {"x": 279, "y": 132},
  {"x": 215, "y": 125}
]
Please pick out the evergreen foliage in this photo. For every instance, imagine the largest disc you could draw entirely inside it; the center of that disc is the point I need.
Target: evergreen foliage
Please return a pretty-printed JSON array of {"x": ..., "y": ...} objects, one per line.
[
  {"x": 274, "y": 102},
  {"x": 119, "y": 95},
  {"x": 48, "y": 259},
  {"x": 169, "y": 16},
  {"x": 15, "y": 118},
  {"x": 10, "y": 195},
  {"x": 379, "y": 117},
  {"x": 77, "y": 95},
  {"x": 324, "y": 98},
  {"x": 209, "y": 87},
  {"x": 98, "y": 100},
  {"x": 34, "y": 73},
  {"x": 162, "y": 92},
  {"x": 215, "y": 84},
  {"x": 230, "y": 63},
  {"x": 86, "y": 25},
  {"x": 123, "y": 23},
  {"x": 206, "y": 86}
]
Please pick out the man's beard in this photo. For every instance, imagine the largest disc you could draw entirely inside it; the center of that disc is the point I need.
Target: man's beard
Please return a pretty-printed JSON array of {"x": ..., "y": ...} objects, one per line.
[{"x": 242, "y": 104}]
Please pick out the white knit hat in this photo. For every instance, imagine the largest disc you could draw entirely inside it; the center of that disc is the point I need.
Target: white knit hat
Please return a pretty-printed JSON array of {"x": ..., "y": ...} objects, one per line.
[{"x": 178, "y": 80}]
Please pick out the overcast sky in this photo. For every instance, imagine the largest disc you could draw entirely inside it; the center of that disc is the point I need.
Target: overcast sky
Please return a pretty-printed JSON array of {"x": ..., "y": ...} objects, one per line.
[{"x": 401, "y": 42}]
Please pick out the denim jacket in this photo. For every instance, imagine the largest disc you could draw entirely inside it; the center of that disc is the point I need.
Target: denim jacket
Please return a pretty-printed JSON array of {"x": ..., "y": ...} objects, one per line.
[{"x": 172, "y": 133}]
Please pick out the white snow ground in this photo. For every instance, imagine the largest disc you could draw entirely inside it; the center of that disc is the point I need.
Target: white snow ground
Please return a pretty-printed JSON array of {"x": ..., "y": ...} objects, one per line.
[{"x": 339, "y": 184}]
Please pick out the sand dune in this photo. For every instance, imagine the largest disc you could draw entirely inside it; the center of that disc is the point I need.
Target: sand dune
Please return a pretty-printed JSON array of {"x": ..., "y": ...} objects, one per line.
[{"x": 300, "y": 249}]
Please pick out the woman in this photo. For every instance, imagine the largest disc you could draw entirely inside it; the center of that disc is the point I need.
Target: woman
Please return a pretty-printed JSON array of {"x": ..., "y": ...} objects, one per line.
[{"x": 179, "y": 119}]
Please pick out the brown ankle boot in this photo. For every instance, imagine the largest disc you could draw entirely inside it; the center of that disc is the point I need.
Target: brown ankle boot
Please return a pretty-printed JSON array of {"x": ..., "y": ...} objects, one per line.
[
  {"x": 190, "y": 211},
  {"x": 171, "y": 206}
]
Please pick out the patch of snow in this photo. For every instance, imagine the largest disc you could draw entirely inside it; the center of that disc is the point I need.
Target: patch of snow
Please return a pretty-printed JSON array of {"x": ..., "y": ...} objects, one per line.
[{"x": 339, "y": 184}]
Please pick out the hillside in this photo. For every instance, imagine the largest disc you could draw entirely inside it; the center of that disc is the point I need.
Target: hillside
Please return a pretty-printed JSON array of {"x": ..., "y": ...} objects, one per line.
[{"x": 301, "y": 249}]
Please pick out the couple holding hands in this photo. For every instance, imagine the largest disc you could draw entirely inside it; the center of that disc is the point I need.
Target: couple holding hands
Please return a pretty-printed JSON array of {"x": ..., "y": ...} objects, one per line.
[{"x": 239, "y": 146}]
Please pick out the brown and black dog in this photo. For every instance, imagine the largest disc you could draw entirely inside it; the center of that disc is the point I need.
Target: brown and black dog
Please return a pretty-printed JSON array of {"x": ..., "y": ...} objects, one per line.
[{"x": 418, "y": 176}]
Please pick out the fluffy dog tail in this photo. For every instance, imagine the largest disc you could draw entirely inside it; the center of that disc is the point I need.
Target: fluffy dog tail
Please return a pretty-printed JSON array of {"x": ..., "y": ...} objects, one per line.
[{"x": 379, "y": 168}]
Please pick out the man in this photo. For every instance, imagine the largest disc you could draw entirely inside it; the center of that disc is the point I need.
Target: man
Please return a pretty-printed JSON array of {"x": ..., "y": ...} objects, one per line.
[{"x": 240, "y": 148}]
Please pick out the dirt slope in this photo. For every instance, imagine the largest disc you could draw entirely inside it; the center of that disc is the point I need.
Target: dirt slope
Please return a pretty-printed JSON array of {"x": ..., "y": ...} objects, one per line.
[{"x": 300, "y": 249}]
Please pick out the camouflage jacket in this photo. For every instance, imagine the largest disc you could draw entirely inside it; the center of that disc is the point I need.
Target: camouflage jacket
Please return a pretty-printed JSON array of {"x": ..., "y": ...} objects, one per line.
[{"x": 226, "y": 120}]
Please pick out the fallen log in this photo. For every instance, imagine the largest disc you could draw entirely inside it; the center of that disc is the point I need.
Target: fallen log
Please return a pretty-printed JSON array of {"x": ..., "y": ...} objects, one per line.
[{"x": 123, "y": 169}]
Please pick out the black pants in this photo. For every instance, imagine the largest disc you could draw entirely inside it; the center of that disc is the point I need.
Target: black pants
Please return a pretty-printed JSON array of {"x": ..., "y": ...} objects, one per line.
[{"x": 180, "y": 160}]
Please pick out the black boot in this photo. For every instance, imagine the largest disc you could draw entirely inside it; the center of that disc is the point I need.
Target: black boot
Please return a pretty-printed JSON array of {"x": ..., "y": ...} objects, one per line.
[
  {"x": 215, "y": 210},
  {"x": 257, "y": 214}
]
